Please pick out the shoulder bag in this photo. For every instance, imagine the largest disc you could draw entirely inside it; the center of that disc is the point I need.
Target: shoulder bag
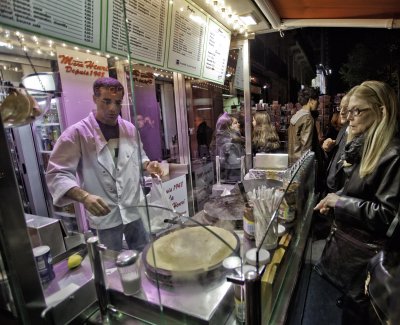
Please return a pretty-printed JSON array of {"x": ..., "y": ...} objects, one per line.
[
  {"x": 383, "y": 284},
  {"x": 344, "y": 258}
]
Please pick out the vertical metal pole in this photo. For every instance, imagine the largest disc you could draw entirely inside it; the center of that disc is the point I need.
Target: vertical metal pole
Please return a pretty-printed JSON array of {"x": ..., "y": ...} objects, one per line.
[
  {"x": 253, "y": 298},
  {"x": 99, "y": 277},
  {"x": 247, "y": 101},
  {"x": 181, "y": 118}
]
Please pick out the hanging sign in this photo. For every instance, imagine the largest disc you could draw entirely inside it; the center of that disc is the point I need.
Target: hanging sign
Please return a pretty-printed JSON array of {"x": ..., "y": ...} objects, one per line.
[
  {"x": 238, "y": 81},
  {"x": 187, "y": 38},
  {"x": 147, "y": 29},
  {"x": 78, "y": 71},
  {"x": 77, "y": 22},
  {"x": 217, "y": 51}
]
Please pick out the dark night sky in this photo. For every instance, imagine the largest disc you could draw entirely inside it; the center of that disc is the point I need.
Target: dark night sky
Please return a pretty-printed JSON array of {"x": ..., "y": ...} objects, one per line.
[{"x": 340, "y": 42}]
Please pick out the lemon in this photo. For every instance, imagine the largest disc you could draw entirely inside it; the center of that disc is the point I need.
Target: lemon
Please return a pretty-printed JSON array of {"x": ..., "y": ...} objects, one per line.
[{"x": 74, "y": 261}]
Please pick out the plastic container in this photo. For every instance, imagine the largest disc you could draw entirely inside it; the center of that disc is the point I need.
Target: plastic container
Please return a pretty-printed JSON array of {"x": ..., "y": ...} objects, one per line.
[
  {"x": 281, "y": 230},
  {"x": 43, "y": 262},
  {"x": 128, "y": 269},
  {"x": 264, "y": 256},
  {"x": 232, "y": 262}
]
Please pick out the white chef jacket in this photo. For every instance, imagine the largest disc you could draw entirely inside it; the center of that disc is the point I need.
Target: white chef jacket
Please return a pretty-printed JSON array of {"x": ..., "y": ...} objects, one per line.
[{"x": 82, "y": 151}]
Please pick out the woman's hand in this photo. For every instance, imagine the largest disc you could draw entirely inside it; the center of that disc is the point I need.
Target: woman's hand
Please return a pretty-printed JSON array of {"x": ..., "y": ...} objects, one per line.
[
  {"x": 327, "y": 203},
  {"x": 328, "y": 145}
]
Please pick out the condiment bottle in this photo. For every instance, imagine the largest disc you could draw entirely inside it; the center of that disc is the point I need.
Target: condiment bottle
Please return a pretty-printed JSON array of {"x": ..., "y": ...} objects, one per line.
[
  {"x": 128, "y": 269},
  {"x": 248, "y": 222}
]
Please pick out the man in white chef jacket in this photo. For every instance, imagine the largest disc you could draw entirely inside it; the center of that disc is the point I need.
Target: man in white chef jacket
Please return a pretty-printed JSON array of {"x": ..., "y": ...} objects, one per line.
[{"x": 102, "y": 150}]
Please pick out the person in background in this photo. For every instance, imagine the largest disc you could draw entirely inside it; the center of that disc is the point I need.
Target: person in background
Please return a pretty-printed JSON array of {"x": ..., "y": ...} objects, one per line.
[
  {"x": 334, "y": 126},
  {"x": 335, "y": 175},
  {"x": 102, "y": 152},
  {"x": 301, "y": 128},
  {"x": 334, "y": 149},
  {"x": 265, "y": 138},
  {"x": 204, "y": 136},
  {"x": 229, "y": 146},
  {"x": 303, "y": 134},
  {"x": 369, "y": 201}
]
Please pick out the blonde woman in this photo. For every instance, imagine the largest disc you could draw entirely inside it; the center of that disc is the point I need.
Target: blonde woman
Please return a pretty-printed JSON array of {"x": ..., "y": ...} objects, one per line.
[
  {"x": 265, "y": 138},
  {"x": 369, "y": 201}
]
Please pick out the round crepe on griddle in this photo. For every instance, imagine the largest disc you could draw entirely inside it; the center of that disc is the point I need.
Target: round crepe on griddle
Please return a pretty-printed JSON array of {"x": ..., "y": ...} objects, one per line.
[{"x": 191, "y": 249}]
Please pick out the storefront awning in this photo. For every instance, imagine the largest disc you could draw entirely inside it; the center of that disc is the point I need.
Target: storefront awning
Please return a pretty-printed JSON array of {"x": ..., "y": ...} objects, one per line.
[{"x": 283, "y": 14}]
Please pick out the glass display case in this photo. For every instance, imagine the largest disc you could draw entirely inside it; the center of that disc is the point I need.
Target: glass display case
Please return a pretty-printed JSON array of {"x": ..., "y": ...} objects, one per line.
[{"x": 193, "y": 271}]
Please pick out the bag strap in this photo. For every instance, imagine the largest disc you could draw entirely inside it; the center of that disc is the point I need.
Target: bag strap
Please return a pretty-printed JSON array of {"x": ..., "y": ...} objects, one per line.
[{"x": 393, "y": 225}]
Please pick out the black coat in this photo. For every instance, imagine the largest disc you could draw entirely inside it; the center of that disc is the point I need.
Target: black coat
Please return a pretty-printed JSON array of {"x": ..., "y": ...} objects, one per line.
[
  {"x": 364, "y": 212},
  {"x": 335, "y": 174},
  {"x": 370, "y": 204}
]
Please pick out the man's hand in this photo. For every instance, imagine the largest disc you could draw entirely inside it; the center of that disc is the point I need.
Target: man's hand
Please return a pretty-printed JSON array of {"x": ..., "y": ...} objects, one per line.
[
  {"x": 95, "y": 205},
  {"x": 328, "y": 144},
  {"x": 153, "y": 167}
]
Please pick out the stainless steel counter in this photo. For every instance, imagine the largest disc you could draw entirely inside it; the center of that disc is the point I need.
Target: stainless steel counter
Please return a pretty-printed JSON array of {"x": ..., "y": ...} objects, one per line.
[
  {"x": 193, "y": 303},
  {"x": 69, "y": 293}
]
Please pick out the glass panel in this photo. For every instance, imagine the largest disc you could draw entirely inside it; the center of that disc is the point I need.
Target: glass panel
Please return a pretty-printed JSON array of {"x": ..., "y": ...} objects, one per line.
[{"x": 282, "y": 215}]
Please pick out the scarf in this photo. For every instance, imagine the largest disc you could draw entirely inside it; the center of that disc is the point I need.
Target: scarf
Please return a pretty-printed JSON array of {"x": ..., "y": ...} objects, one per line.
[{"x": 353, "y": 151}]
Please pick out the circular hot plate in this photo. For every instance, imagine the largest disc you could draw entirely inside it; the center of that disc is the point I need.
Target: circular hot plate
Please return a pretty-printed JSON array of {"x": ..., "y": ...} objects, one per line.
[{"x": 189, "y": 254}]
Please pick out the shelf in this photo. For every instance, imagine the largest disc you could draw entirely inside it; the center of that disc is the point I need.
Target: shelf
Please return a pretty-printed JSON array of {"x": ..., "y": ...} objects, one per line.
[
  {"x": 65, "y": 214},
  {"x": 47, "y": 124}
]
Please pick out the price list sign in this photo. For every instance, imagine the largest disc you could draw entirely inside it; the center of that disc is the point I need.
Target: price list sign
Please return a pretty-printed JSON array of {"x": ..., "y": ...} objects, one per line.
[
  {"x": 147, "y": 28},
  {"x": 187, "y": 36},
  {"x": 238, "y": 81},
  {"x": 75, "y": 21},
  {"x": 217, "y": 51}
]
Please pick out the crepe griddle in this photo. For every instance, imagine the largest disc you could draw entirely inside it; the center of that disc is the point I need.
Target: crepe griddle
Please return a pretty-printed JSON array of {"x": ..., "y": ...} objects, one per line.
[{"x": 189, "y": 254}]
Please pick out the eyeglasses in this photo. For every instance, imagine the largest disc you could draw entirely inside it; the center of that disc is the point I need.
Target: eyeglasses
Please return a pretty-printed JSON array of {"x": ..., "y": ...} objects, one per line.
[{"x": 356, "y": 111}]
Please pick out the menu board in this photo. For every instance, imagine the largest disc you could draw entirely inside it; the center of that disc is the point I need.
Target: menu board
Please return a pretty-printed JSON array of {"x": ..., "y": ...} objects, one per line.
[
  {"x": 75, "y": 21},
  {"x": 187, "y": 37},
  {"x": 147, "y": 29},
  {"x": 238, "y": 82},
  {"x": 217, "y": 51}
]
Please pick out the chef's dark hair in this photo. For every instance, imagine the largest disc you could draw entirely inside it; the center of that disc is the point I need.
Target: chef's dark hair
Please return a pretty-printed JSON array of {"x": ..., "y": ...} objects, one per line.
[
  {"x": 306, "y": 94},
  {"x": 109, "y": 83}
]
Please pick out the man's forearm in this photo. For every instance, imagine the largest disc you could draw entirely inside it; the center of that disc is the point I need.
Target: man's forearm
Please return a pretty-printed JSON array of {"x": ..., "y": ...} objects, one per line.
[{"x": 77, "y": 194}]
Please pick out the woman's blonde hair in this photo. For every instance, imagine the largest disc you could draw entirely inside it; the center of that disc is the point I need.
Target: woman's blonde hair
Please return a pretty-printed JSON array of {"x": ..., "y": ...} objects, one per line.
[
  {"x": 382, "y": 100},
  {"x": 264, "y": 134}
]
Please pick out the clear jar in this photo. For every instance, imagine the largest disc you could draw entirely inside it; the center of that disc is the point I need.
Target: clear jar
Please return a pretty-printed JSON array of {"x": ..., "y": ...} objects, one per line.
[
  {"x": 128, "y": 269},
  {"x": 248, "y": 222}
]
